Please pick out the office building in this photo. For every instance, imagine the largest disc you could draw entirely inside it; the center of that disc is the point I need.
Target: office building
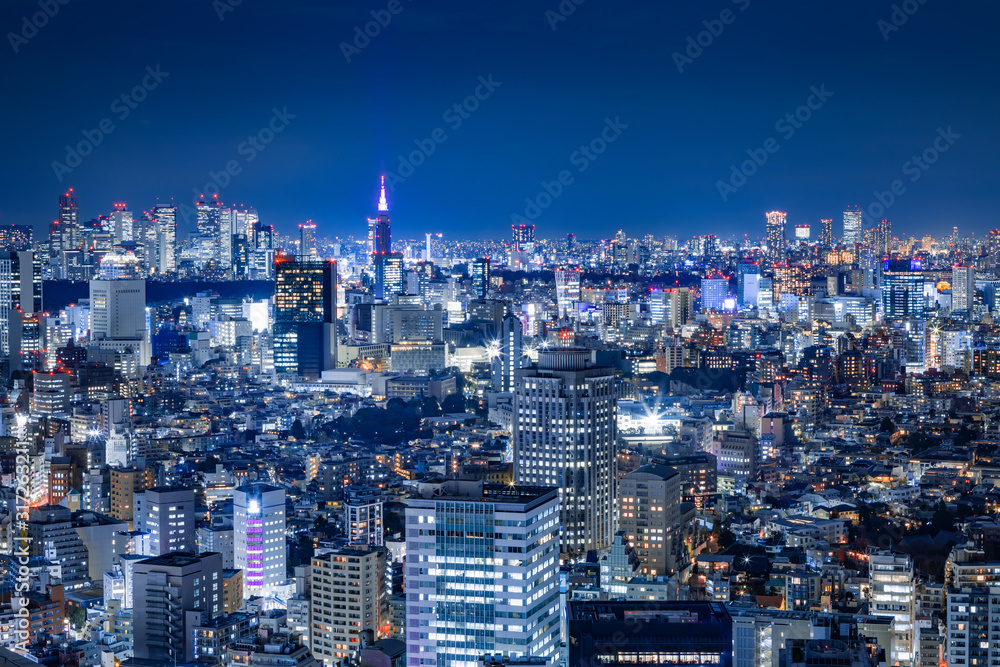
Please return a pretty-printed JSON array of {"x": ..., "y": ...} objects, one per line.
[
  {"x": 176, "y": 593},
  {"x": 466, "y": 597},
  {"x": 506, "y": 353},
  {"x": 168, "y": 516},
  {"x": 893, "y": 593},
  {"x": 714, "y": 293},
  {"x": 20, "y": 290},
  {"x": 307, "y": 239},
  {"x": 259, "y": 531},
  {"x": 480, "y": 269},
  {"x": 118, "y": 317},
  {"x": 649, "y": 500},
  {"x": 963, "y": 289},
  {"x": 852, "y": 227},
  {"x": 394, "y": 272},
  {"x": 165, "y": 225},
  {"x": 380, "y": 241},
  {"x": 345, "y": 601},
  {"x": 567, "y": 289},
  {"x": 775, "y": 236},
  {"x": 305, "y": 316},
  {"x": 883, "y": 236},
  {"x": 564, "y": 431},
  {"x": 747, "y": 284},
  {"x": 522, "y": 238},
  {"x": 363, "y": 515},
  {"x": 902, "y": 295},
  {"x": 659, "y": 633},
  {"x": 826, "y": 233}
]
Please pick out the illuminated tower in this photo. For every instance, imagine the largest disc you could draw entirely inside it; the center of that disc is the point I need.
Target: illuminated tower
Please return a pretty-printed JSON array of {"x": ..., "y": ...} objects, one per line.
[
  {"x": 852, "y": 226},
  {"x": 64, "y": 233},
  {"x": 963, "y": 288},
  {"x": 567, "y": 289},
  {"x": 165, "y": 218},
  {"x": 523, "y": 238},
  {"x": 884, "y": 236},
  {"x": 380, "y": 241},
  {"x": 121, "y": 222},
  {"x": 776, "y": 222},
  {"x": 826, "y": 233}
]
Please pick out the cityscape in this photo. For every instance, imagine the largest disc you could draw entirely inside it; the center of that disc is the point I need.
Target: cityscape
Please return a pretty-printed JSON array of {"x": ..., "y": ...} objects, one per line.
[{"x": 266, "y": 422}]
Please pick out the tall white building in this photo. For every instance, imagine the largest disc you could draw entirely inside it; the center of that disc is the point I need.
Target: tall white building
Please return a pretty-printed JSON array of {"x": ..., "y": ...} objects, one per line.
[
  {"x": 259, "y": 537},
  {"x": 893, "y": 593},
  {"x": 564, "y": 433},
  {"x": 567, "y": 289},
  {"x": 963, "y": 288},
  {"x": 482, "y": 573},
  {"x": 852, "y": 226},
  {"x": 118, "y": 316}
]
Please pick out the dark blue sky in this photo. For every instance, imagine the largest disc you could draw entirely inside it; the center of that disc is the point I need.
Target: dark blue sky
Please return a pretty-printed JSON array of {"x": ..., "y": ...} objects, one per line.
[{"x": 607, "y": 60}]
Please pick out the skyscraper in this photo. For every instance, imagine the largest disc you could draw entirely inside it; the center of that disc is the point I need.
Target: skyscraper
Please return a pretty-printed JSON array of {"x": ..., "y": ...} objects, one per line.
[
  {"x": 305, "y": 312},
  {"x": 747, "y": 284},
  {"x": 902, "y": 295},
  {"x": 481, "y": 277},
  {"x": 963, "y": 288},
  {"x": 884, "y": 236},
  {"x": 380, "y": 241},
  {"x": 564, "y": 436},
  {"x": 165, "y": 219},
  {"x": 776, "y": 223},
  {"x": 506, "y": 353},
  {"x": 168, "y": 515},
  {"x": 852, "y": 227},
  {"x": 20, "y": 290},
  {"x": 121, "y": 222},
  {"x": 259, "y": 537},
  {"x": 118, "y": 316},
  {"x": 466, "y": 598},
  {"x": 567, "y": 289},
  {"x": 826, "y": 233},
  {"x": 307, "y": 239},
  {"x": 64, "y": 233}
]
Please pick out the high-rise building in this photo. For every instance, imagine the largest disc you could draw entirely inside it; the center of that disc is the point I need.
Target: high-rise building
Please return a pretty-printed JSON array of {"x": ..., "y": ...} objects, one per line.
[
  {"x": 747, "y": 284},
  {"x": 121, "y": 222},
  {"x": 522, "y": 238},
  {"x": 902, "y": 295},
  {"x": 259, "y": 537},
  {"x": 776, "y": 223},
  {"x": 714, "y": 293},
  {"x": 884, "y": 236},
  {"x": 852, "y": 227},
  {"x": 175, "y": 592},
  {"x": 394, "y": 274},
  {"x": 467, "y": 599},
  {"x": 481, "y": 277},
  {"x": 20, "y": 290},
  {"x": 307, "y": 239},
  {"x": 165, "y": 222},
  {"x": 169, "y": 519},
  {"x": 64, "y": 233},
  {"x": 506, "y": 353},
  {"x": 380, "y": 241},
  {"x": 564, "y": 433},
  {"x": 826, "y": 233},
  {"x": 118, "y": 317},
  {"x": 802, "y": 233},
  {"x": 893, "y": 593},
  {"x": 973, "y": 626},
  {"x": 963, "y": 288},
  {"x": 305, "y": 316},
  {"x": 345, "y": 602},
  {"x": 649, "y": 500},
  {"x": 567, "y": 289},
  {"x": 363, "y": 515}
]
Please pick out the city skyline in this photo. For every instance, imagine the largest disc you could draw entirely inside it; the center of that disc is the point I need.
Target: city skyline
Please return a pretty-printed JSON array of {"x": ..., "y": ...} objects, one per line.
[{"x": 527, "y": 123}]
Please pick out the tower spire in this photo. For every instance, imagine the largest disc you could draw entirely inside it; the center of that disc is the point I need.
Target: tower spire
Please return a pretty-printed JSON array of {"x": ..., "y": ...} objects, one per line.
[{"x": 383, "y": 204}]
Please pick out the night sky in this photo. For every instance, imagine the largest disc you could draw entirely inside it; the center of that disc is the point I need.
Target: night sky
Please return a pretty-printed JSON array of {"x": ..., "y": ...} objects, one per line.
[{"x": 676, "y": 136}]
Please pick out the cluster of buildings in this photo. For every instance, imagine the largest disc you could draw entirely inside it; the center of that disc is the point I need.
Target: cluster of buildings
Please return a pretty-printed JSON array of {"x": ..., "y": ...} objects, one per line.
[{"x": 534, "y": 452}]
